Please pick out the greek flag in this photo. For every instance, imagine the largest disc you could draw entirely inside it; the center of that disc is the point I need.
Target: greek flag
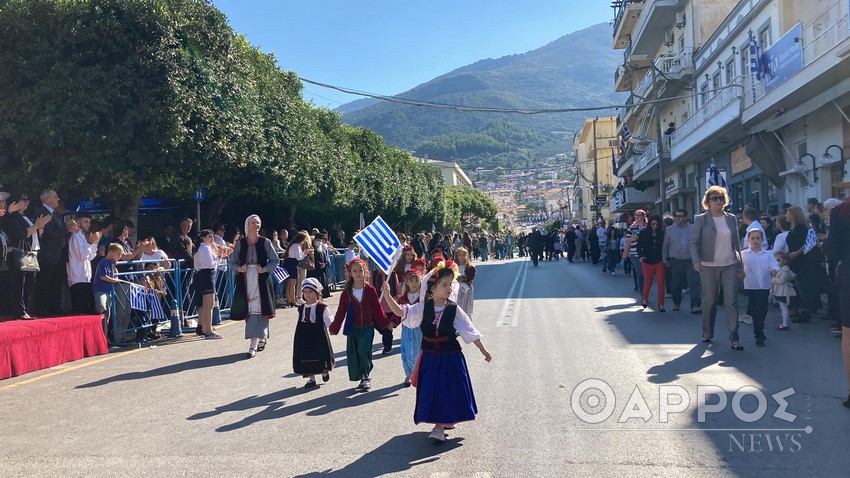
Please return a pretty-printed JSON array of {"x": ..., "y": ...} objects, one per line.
[
  {"x": 714, "y": 176},
  {"x": 280, "y": 275},
  {"x": 625, "y": 135},
  {"x": 362, "y": 222},
  {"x": 157, "y": 313},
  {"x": 380, "y": 243},
  {"x": 138, "y": 297},
  {"x": 811, "y": 240},
  {"x": 614, "y": 160},
  {"x": 757, "y": 66}
]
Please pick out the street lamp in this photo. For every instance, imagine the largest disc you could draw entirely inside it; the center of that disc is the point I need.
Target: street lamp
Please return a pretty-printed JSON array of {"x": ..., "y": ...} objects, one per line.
[
  {"x": 814, "y": 166},
  {"x": 829, "y": 159}
]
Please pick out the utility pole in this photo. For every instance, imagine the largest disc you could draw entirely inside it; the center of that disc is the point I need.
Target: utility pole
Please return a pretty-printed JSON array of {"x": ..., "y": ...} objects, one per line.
[
  {"x": 660, "y": 146},
  {"x": 595, "y": 190}
]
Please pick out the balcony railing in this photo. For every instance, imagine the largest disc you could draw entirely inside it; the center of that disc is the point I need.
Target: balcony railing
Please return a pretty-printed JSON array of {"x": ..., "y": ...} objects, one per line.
[
  {"x": 676, "y": 64},
  {"x": 723, "y": 98},
  {"x": 620, "y": 7},
  {"x": 645, "y": 85},
  {"x": 819, "y": 37},
  {"x": 648, "y": 158}
]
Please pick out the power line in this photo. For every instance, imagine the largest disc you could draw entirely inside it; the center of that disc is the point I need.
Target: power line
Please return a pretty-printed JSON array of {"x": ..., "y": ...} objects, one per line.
[{"x": 484, "y": 109}]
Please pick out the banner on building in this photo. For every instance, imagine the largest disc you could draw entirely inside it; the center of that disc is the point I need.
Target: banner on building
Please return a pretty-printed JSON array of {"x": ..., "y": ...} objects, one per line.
[{"x": 784, "y": 58}]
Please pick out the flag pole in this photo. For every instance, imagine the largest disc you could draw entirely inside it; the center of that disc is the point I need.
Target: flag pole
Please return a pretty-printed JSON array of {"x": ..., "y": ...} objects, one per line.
[{"x": 392, "y": 268}]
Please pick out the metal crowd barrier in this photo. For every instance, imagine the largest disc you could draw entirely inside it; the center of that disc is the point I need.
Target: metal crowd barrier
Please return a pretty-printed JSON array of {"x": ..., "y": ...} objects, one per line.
[{"x": 179, "y": 302}]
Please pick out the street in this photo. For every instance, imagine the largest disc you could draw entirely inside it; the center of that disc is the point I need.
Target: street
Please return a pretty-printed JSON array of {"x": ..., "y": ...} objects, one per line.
[{"x": 199, "y": 408}]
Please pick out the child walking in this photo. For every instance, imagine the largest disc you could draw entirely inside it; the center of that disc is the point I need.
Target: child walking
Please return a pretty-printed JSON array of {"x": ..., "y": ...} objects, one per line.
[
  {"x": 783, "y": 288},
  {"x": 411, "y": 337},
  {"x": 466, "y": 274},
  {"x": 759, "y": 267},
  {"x": 444, "y": 393},
  {"x": 361, "y": 312},
  {"x": 312, "y": 353}
]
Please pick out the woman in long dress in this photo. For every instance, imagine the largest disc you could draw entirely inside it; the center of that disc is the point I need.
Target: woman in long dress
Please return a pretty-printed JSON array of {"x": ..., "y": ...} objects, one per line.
[{"x": 253, "y": 259}]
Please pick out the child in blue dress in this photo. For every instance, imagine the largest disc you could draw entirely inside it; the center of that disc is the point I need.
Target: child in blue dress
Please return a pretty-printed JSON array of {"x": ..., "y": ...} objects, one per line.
[{"x": 444, "y": 395}]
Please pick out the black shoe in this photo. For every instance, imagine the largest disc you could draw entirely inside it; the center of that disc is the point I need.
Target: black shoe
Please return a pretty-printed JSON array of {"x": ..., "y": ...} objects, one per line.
[
  {"x": 310, "y": 383},
  {"x": 387, "y": 351},
  {"x": 846, "y": 403},
  {"x": 261, "y": 346},
  {"x": 644, "y": 303},
  {"x": 760, "y": 343},
  {"x": 736, "y": 346},
  {"x": 326, "y": 376}
]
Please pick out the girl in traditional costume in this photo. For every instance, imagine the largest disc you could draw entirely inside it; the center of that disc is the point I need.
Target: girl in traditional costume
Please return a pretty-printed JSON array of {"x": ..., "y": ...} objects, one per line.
[
  {"x": 312, "y": 353},
  {"x": 444, "y": 393},
  {"x": 466, "y": 274},
  {"x": 360, "y": 311}
]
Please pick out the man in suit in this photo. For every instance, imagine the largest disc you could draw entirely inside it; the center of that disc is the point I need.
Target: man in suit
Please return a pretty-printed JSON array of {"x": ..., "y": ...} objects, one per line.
[{"x": 54, "y": 239}]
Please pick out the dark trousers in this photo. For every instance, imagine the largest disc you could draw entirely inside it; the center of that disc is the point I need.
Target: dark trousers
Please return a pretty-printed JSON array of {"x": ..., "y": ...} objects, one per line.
[
  {"x": 757, "y": 304},
  {"x": 48, "y": 292},
  {"x": 594, "y": 251},
  {"x": 82, "y": 299},
  {"x": 682, "y": 274},
  {"x": 613, "y": 258},
  {"x": 571, "y": 252},
  {"x": 387, "y": 337},
  {"x": 20, "y": 285}
]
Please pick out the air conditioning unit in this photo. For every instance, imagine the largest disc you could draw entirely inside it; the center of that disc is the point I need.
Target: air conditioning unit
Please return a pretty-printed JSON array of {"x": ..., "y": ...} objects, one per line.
[
  {"x": 680, "y": 19},
  {"x": 668, "y": 39}
]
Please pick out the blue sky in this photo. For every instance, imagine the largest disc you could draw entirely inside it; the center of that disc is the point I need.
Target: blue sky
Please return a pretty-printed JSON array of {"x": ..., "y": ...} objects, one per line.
[{"x": 388, "y": 47}]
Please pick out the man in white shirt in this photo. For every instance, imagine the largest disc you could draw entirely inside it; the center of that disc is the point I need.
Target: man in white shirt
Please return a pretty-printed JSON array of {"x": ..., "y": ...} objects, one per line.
[{"x": 82, "y": 249}]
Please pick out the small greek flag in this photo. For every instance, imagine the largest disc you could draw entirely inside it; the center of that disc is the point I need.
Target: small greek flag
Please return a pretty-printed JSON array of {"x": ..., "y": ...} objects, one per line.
[
  {"x": 362, "y": 222},
  {"x": 380, "y": 243},
  {"x": 715, "y": 178},
  {"x": 757, "y": 63},
  {"x": 811, "y": 240},
  {"x": 157, "y": 313},
  {"x": 280, "y": 275},
  {"x": 138, "y": 297}
]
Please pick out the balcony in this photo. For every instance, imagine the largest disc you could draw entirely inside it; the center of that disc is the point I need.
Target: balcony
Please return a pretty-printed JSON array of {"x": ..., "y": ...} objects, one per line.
[
  {"x": 820, "y": 71},
  {"x": 655, "y": 22},
  {"x": 649, "y": 159},
  {"x": 626, "y": 14},
  {"x": 677, "y": 66},
  {"x": 644, "y": 88},
  {"x": 631, "y": 199},
  {"x": 717, "y": 113},
  {"x": 622, "y": 79}
]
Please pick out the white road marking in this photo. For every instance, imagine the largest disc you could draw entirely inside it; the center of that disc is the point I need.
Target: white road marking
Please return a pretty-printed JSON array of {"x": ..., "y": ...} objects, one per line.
[{"x": 508, "y": 314}]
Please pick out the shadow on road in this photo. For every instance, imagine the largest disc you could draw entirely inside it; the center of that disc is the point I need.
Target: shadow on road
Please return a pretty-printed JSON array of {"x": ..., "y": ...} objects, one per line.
[
  {"x": 399, "y": 454},
  {"x": 273, "y": 405},
  {"x": 168, "y": 369}
]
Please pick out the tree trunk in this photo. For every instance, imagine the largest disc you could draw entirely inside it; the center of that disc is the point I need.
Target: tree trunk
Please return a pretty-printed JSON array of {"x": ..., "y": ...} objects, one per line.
[
  {"x": 290, "y": 217},
  {"x": 127, "y": 209}
]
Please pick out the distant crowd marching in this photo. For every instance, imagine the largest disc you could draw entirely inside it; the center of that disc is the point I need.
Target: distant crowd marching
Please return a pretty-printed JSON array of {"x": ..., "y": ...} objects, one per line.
[{"x": 792, "y": 259}]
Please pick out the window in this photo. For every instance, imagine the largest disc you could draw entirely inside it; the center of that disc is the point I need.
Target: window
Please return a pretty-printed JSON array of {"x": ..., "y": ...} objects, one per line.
[
  {"x": 682, "y": 43},
  {"x": 715, "y": 83},
  {"x": 703, "y": 95},
  {"x": 745, "y": 58},
  {"x": 730, "y": 71},
  {"x": 764, "y": 37}
]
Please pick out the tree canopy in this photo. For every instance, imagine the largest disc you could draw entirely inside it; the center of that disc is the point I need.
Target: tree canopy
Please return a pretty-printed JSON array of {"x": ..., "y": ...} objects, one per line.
[{"x": 116, "y": 100}]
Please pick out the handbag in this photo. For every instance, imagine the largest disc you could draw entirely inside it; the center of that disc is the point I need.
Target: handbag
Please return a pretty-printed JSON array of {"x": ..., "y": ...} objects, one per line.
[
  {"x": 24, "y": 259},
  {"x": 307, "y": 263}
]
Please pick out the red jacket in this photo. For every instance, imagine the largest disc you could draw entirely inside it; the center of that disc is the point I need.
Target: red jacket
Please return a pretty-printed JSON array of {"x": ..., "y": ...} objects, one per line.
[{"x": 368, "y": 312}]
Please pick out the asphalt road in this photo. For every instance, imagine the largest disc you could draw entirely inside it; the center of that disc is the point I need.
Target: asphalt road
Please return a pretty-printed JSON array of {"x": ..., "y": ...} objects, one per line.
[{"x": 198, "y": 408}]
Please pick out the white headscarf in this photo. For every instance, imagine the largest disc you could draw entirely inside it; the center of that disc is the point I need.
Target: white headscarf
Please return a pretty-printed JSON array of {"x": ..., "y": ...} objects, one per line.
[{"x": 248, "y": 219}]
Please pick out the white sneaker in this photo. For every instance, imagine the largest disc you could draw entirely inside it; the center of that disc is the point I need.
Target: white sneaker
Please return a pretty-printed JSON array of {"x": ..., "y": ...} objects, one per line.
[
  {"x": 437, "y": 435},
  {"x": 746, "y": 319}
]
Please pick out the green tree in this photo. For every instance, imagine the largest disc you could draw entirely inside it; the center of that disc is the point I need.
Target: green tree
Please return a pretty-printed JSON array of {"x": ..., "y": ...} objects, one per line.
[{"x": 464, "y": 205}]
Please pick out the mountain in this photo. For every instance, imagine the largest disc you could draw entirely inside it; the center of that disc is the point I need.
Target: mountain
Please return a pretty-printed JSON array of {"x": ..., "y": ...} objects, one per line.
[{"x": 573, "y": 71}]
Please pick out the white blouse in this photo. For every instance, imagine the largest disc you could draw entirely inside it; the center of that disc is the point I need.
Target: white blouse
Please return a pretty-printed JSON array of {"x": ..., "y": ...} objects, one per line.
[
  {"x": 413, "y": 315},
  {"x": 310, "y": 314},
  {"x": 295, "y": 252},
  {"x": 205, "y": 258}
]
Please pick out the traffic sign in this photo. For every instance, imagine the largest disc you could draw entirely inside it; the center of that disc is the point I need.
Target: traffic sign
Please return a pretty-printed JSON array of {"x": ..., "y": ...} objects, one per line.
[
  {"x": 201, "y": 194},
  {"x": 601, "y": 200}
]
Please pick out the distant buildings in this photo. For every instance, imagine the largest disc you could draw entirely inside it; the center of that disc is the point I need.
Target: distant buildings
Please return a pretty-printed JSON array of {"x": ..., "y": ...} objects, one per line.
[
  {"x": 453, "y": 174},
  {"x": 758, "y": 88},
  {"x": 596, "y": 146}
]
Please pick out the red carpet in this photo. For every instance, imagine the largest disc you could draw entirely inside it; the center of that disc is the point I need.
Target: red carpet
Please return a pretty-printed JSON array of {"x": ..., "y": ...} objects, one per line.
[{"x": 29, "y": 345}]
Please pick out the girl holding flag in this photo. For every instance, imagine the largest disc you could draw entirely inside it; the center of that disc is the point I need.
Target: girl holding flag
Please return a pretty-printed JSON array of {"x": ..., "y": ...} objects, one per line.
[
  {"x": 360, "y": 311},
  {"x": 444, "y": 395}
]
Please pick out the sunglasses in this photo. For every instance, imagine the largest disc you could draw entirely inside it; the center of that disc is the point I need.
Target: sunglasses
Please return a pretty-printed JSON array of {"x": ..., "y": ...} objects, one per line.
[{"x": 716, "y": 198}]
